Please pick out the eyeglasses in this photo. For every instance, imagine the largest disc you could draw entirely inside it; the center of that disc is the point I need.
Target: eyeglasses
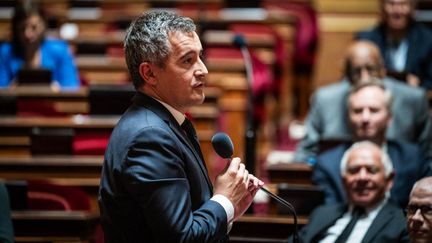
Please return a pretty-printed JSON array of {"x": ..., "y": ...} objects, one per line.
[{"x": 425, "y": 210}]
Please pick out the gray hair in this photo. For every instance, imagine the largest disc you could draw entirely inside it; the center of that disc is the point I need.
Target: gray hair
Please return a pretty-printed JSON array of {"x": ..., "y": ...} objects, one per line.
[
  {"x": 385, "y": 159},
  {"x": 147, "y": 40},
  {"x": 373, "y": 82}
]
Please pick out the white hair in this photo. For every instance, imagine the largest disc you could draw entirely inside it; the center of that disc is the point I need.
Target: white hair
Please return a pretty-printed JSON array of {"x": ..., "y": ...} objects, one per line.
[{"x": 385, "y": 159}]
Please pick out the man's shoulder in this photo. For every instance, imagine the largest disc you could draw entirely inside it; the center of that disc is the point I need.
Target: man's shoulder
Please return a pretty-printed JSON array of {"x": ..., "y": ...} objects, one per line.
[
  {"x": 330, "y": 91},
  {"x": 331, "y": 157},
  {"x": 403, "y": 90},
  {"x": 368, "y": 33},
  {"x": 423, "y": 30},
  {"x": 403, "y": 146},
  {"x": 394, "y": 209}
]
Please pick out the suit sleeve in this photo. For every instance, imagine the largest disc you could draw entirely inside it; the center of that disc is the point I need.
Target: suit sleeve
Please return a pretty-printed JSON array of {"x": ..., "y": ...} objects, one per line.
[
  {"x": 66, "y": 70},
  {"x": 156, "y": 174},
  {"x": 308, "y": 147},
  {"x": 5, "y": 73}
]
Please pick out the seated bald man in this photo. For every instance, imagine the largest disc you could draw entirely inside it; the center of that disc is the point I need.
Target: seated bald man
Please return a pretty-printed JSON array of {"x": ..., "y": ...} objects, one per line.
[{"x": 419, "y": 212}]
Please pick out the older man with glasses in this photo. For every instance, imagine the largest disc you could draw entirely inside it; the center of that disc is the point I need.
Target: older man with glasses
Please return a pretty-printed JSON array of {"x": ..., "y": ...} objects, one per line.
[{"x": 419, "y": 211}]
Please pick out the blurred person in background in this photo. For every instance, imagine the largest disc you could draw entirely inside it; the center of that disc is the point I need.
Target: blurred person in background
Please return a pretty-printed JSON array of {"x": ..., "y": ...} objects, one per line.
[
  {"x": 367, "y": 215},
  {"x": 327, "y": 119},
  {"x": 29, "y": 48},
  {"x": 405, "y": 44},
  {"x": 419, "y": 211},
  {"x": 369, "y": 115}
]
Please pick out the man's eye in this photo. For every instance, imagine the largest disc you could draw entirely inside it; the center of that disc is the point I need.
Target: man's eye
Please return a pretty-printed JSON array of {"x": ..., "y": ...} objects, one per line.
[
  {"x": 373, "y": 170},
  {"x": 353, "y": 170}
]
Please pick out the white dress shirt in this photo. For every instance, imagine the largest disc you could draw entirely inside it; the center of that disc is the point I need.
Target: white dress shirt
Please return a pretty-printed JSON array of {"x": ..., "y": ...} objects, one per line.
[{"x": 359, "y": 230}]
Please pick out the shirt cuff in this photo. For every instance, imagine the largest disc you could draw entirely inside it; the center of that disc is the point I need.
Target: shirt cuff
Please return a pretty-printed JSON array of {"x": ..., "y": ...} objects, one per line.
[{"x": 227, "y": 205}]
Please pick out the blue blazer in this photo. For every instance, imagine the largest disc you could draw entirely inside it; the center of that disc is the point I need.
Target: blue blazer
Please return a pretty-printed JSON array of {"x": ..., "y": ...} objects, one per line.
[
  {"x": 56, "y": 57},
  {"x": 409, "y": 166},
  {"x": 328, "y": 118},
  {"x": 419, "y": 59},
  {"x": 388, "y": 226},
  {"x": 154, "y": 185}
]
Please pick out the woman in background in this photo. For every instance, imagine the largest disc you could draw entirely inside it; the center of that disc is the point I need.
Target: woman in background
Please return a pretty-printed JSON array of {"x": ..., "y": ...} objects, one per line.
[{"x": 29, "y": 48}]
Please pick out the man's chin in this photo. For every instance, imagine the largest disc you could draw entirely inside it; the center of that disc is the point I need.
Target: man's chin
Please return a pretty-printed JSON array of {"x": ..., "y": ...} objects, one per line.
[{"x": 362, "y": 200}]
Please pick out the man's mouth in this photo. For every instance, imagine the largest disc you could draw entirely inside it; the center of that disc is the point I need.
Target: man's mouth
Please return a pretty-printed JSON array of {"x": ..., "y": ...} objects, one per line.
[{"x": 198, "y": 85}]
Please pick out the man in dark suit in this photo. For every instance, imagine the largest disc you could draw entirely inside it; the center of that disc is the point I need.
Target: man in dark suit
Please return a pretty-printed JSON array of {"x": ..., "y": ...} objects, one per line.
[
  {"x": 419, "y": 211},
  {"x": 405, "y": 44},
  {"x": 369, "y": 114},
  {"x": 154, "y": 183},
  {"x": 367, "y": 174},
  {"x": 327, "y": 118}
]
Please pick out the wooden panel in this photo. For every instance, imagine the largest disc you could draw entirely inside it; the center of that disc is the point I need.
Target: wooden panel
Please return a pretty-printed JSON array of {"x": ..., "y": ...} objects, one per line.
[
  {"x": 268, "y": 228},
  {"x": 297, "y": 173},
  {"x": 54, "y": 226}
]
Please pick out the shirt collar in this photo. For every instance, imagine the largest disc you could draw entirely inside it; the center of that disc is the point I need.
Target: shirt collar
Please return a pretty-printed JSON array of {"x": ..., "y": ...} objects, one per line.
[{"x": 180, "y": 117}]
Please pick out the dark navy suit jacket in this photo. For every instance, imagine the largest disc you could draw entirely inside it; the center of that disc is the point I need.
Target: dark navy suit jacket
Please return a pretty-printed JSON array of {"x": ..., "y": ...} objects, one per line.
[
  {"x": 409, "y": 166},
  {"x": 154, "y": 185},
  {"x": 419, "y": 59},
  {"x": 388, "y": 226}
]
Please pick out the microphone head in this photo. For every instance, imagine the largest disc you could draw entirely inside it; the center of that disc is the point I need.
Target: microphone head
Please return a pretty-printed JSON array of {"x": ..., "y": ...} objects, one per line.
[
  {"x": 223, "y": 145},
  {"x": 239, "y": 41}
]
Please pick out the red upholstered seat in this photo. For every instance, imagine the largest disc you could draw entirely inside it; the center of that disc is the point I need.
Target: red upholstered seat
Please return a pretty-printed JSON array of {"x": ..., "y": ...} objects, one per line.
[
  {"x": 37, "y": 108},
  {"x": 90, "y": 142},
  {"x": 42, "y": 195}
]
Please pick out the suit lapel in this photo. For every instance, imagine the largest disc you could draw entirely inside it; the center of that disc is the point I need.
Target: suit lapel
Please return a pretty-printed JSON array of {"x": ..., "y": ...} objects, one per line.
[
  {"x": 144, "y": 100},
  {"x": 382, "y": 218},
  {"x": 325, "y": 220}
]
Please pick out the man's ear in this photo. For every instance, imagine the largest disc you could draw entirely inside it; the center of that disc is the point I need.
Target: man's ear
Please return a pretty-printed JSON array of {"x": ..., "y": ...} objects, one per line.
[
  {"x": 390, "y": 180},
  {"x": 389, "y": 119},
  {"x": 146, "y": 72}
]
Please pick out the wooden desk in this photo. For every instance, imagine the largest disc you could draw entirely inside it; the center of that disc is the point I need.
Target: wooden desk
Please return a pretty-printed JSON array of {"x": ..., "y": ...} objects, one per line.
[
  {"x": 77, "y": 121},
  {"x": 266, "y": 228},
  {"x": 54, "y": 226},
  {"x": 295, "y": 173},
  {"x": 46, "y": 167}
]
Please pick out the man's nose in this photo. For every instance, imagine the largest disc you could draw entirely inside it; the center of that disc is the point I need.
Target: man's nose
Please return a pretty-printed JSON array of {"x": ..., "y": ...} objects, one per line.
[
  {"x": 365, "y": 74},
  {"x": 202, "y": 68},
  {"x": 363, "y": 174},
  {"x": 417, "y": 216},
  {"x": 365, "y": 115}
]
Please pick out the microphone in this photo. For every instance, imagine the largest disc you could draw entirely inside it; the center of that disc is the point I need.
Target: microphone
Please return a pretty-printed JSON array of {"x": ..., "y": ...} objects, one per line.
[
  {"x": 250, "y": 137},
  {"x": 224, "y": 147},
  {"x": 239, "y": 41}
]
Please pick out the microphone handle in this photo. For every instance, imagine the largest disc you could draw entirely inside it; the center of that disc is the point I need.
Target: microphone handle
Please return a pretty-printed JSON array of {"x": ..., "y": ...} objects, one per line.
[
  {"x": 277, "y": 198},
  {"x": 291, "y": 207}
]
